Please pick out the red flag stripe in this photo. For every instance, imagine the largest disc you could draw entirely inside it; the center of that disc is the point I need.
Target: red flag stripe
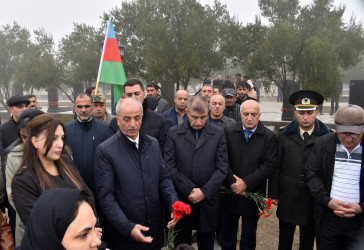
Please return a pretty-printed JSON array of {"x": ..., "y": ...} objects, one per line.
[{"x": 112, "y": 51}]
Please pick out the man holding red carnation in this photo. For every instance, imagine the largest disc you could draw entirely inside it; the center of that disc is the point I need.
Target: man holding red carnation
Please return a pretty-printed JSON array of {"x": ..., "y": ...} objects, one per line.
[{"x": 196, "y": 157}]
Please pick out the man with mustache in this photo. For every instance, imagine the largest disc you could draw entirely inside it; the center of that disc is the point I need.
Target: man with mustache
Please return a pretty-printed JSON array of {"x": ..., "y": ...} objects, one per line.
[
  {"x": 84, "y": 134},
  {"x": 196, "y": 157},
  {"x": 132, "y": 183}
]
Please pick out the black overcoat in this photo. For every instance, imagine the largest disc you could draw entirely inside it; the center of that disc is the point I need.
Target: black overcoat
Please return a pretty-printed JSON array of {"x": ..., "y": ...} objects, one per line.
[
  {"x": 288, "y": 184},
  {"x": 253, "y": 161},
  {"x": 131, "y": 186},
  {"x": 197, "y": 164}
]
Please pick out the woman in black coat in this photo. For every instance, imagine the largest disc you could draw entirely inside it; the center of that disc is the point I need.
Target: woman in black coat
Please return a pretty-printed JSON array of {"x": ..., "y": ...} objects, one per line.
[{"x": 45, "y": 165}]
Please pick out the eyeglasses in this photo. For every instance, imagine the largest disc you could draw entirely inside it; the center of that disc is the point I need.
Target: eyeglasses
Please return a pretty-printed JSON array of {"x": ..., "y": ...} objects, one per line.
[{"x": 349, "y": 134}]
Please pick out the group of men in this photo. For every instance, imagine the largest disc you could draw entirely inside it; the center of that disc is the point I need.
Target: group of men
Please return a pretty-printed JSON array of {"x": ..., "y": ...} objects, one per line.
[{"x": 140, "y": 162}]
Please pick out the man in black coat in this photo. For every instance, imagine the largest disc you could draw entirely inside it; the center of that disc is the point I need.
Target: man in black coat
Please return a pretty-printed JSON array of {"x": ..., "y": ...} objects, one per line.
[
  {"x": 335, "y": 177},
  {"x": 84, "y": 134},
  {"x": 288, "y": 185},
  {"x": 196, "y": 157},
  {"x": 8, "y": 134},
  {"x": 131, "y": 183},
  {"x": 154, "y": 123},
  {"x": 253, "y": 157}
]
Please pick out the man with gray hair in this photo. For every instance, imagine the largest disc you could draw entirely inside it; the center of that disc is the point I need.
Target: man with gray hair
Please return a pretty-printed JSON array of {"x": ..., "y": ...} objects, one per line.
[
  {"x": 196, "y": 157},
  {"x": 131, "y": 183},
  {"x": 335, "y": 177}
]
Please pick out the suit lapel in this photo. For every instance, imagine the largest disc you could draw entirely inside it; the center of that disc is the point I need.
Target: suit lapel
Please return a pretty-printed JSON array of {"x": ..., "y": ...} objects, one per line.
[
  {"x": 203, "y": 138},
  {"x": 189, "y": 137}
]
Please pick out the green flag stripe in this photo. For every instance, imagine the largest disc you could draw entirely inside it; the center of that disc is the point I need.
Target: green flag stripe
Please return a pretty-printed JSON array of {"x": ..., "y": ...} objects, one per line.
[{"x": 112, "y": 73}]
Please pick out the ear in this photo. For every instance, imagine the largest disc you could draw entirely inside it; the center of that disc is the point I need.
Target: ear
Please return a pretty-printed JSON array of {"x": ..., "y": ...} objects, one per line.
[
  {"x": 34, "y": 141},
  {"x": 117, "y": 119},
  {"x": 10, "y": 110}
]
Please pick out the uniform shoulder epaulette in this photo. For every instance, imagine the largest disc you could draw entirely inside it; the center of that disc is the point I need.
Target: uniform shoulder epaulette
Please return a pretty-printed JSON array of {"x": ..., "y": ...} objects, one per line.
[
  {"x": 332, "y": 130},
  {"x": 281, "y": 128}
]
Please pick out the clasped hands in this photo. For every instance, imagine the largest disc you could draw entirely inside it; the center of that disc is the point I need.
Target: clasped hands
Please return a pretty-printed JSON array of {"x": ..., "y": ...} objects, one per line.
[
  {"x": 239, "y": 186},
  {"x": 196, "y": 195},
  {"x": 344, "y": 209}
]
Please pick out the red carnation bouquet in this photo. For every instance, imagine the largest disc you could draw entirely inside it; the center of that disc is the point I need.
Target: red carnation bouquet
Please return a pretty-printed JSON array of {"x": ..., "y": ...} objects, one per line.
[
  {"x": 179, "y": 208},
  {"x": 264, "y": 205}
]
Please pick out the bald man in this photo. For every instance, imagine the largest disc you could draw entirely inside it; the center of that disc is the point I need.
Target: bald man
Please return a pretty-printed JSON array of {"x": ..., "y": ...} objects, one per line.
[
  {"x": 132, "y": 183},
  {"x": 217, "y": 117},
  {"x": 179, "y": 113},
  {"x": 253, "y": 157}
]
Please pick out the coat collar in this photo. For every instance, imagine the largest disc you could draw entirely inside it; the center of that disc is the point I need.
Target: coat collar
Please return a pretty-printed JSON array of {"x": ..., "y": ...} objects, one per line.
[
  {"x": 207, "y": 131},
  {"x": 239, "y": 128},
  {"x": 143, "y": 139},
  {"x": 320, "y": 128}
]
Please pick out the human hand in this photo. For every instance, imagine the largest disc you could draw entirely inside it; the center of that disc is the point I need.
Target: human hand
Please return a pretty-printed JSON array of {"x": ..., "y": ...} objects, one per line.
[
  {"x": 341, "y": 209},
  {"x": 239, "y": 186},
  {"x": 275, "y": 201},
  {"x": 137, "y": 235},
  {"x": 172, "y": 222},
  {"x": 196, "y": 195}
]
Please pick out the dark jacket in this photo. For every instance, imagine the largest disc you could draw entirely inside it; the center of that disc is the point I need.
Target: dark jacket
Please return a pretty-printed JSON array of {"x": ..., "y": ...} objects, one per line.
[
  {"x": 83, "y": 138},
  {"x": 130, "y": 185},
  {"x": 288, "y": 184},
  {"x": 320, "y": 169},
  {"x": 27, "y": 189},
  {"x": 8, "y": 133},
  {"x": 153, "y": 124},
  {"x": 225, "y": 121},
  {"x": 162, "y": 104},
  {"x": 233, "y": 112},
  {"x": 253, "y": 161},
  {"x": 172, "y": 114},
  {"x": 197, "y": 164}
]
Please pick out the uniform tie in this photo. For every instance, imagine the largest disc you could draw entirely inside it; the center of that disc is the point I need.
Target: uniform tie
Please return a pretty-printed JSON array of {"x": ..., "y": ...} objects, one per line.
[{"x": 306, "y": 136}]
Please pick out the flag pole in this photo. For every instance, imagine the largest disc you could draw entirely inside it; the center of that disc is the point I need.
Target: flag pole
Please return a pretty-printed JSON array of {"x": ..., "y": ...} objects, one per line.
[{"x": 102, "y": 55}]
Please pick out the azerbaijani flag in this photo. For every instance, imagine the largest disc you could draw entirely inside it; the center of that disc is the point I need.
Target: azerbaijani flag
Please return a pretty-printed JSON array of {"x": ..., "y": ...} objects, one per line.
[{"x": 111, "y": 68}]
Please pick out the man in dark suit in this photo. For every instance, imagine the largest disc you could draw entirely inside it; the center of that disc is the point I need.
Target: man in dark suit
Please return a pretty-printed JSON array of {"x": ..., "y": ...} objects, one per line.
[
  {"x": 132, "y": 183},
  {"x": 252, "y": 150},
  {"x": 196, "y": 157}
]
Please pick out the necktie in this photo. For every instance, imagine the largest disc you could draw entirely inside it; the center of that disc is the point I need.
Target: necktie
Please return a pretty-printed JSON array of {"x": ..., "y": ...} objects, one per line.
[
  {"x": 247, "y": 133},
  {"x": 306, "y": 136}
]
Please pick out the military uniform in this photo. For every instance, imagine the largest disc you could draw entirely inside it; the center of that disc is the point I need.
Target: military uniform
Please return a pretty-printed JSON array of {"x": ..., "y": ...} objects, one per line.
[{"x": 288, "y": 184}]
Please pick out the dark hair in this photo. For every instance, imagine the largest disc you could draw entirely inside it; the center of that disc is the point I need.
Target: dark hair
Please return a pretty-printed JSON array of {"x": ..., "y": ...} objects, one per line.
[
  {"x": 89, "y": 90},
  {"x": 227, "y": 85},
  {"x": 30, "y": 96},
  {"x": 25, "y": 117},
  {"x": 47, "y": 123},
  {"x": 81, "y": 95},
  {"x": 197, "y": 103},
  {"x": 85, "y": 196},
  {"x": 153, "y": 85},
  {"x": 132, "y": 82},
  {"x": 238, "y": 74},
  {"x": 243, "y": 84},
  {"x": 184, "y": 247},
  {"x": 246, "y": 77}
]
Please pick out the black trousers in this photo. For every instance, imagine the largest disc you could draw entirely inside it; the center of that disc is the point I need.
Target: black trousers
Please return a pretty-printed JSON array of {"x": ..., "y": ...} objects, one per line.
[
  {"x": 286, "y": 234},
  {"x": 337, "y": 233}
]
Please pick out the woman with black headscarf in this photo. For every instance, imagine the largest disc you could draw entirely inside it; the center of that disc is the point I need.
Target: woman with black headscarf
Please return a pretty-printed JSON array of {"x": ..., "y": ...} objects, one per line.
[{"x": 61, "y": 219}]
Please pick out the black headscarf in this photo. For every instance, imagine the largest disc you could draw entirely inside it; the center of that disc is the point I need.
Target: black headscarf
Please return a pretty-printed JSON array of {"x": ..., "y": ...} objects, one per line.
[{"x": 49, "y": 219}]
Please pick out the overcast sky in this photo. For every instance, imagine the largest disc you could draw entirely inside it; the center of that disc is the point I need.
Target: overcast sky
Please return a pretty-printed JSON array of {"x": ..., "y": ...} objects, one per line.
[{"x": 57, "y": 16}]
